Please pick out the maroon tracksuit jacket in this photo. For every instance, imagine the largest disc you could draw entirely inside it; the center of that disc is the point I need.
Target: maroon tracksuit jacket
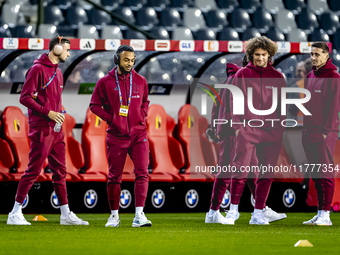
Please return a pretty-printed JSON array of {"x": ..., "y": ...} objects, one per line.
[
  {"x": 45, "y": 143},
  {"x": 324, "y": 85},
  {"x": 124, "y": 134},
  {"x": 265, "y": 141}
]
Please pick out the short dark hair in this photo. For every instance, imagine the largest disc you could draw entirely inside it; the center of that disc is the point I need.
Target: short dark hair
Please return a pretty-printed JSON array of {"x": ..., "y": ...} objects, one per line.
[
  {"x": 321, "y": 45},
  {"x": 124, "y": 48},
  {"x": 55, "y": 40}
]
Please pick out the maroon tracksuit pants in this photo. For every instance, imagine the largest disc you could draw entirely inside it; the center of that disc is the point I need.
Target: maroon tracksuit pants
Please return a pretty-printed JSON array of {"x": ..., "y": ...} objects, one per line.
[
  {"x": 222, "y": 180},
  {"x": 117, "y": 149},
  {"x": 45, "y": 143},
  {"x": 321, "y": 151},
  {"x": 267, "y": 145}
]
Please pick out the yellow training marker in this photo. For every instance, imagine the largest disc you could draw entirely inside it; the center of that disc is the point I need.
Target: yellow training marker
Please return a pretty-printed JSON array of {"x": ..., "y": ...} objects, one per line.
[
  {"x": 303, "y": 243},
  {"x": 39, "y": 218}
]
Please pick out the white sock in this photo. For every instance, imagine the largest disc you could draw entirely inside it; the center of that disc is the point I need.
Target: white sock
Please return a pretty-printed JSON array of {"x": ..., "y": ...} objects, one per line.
[
  {"x": 139, "y": 209},
  {"x": 323, "y": 212},
  {"x": 65, "y": 210},
  {"x": 114, "y": 212},
  {"x": 16, "y": 208},
  {"x": 233, "y": 207},
  {"x": 211, "y": 212},
  {"x": 319, "y": 212},
  {"x": 257, "y": 212}
]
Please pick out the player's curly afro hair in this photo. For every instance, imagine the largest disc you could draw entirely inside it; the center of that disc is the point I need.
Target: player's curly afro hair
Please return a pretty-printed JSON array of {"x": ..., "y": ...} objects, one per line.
[{"x": 259, "y": 42}]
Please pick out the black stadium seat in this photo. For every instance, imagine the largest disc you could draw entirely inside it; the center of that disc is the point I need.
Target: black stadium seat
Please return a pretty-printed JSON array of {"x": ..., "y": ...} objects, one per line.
[
  {"x": 250, "y": 5},
  {"x": 250, "y": 33},
  {"x": 159, "y": 5},
  {"x": 147, "y": 18},
  {"x": 216, "y": 19},
  {"x": 160, "y": 33},
  {"x": 76, "y": 16},
  {"x": 294, "y": 5},
  {"x": 112, "y": 4},
  {"x": 262, "y": 20},
  {"x": 205, "y": 34},
  {"x": 240, "y": 20},
  {"x": 99, "y": 18},
  {"x": 4, "y": 30},
  {"x": 24, "y": 31},
  {"x": 318, "y": 35},
  {"x": 181, "y": 4},
  {"x": 228, "y": 5},
  {"x": 53, "y": 15},
  {"x": 329, "y": 22},
  {"x": 126, "y": 14},
  {"x": 170, "y": 18},
  {"x": 228, "y": 34},
  {"x": 63, "y": 4},
  {"x": 135, "y": 5},
  {"x": 275, "y": 34},
  {"x": 336, "y": 40},
  {"x": 334, "y": 5},
  {"x": 132, "y": 34},
  {"x": 307, "y": 20}
]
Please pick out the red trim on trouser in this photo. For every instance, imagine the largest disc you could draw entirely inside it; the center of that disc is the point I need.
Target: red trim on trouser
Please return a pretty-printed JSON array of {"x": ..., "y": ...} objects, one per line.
[
  {"x": 267, "y": 145},
  {"x": 321, "y": 151},
  {"x": 117, "y": 150},
  {"x": 223, "y": 179},
  {"x": 45, "y": 143}
]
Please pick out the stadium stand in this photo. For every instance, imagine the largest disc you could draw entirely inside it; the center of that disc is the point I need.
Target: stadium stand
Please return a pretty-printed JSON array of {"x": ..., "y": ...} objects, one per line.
[
  {"x": 147, "y": 18},
  {"x": 227, "y": 5},
  {"x": 216, "y": 19},
  {"x": 329, "y": 22},
  {"x": 193, "y": 19},
  {"x": 294, "y": 5},
  {"x": 170, "y": 18},
  {"x": 166, "y": 153},
  {"x": 319, "y": 35},
  {"x": 240, "y": 20},
  {"x": 6, "y": 160},
  {"x": 15, "y": 132},
  {"x": 250, "y": 33},
  {"x": 205, "y": 34},
  {"x": 228, "y": 34},
  {"x": 307, "y": 20},
  {"x": 262, "y": 20},
  {"x": 198, "y": 150},
  {"x": 75, "y": 159}
]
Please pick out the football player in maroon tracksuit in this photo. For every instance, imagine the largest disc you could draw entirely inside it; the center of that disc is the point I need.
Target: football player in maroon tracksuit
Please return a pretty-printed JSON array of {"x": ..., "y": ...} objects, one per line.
[
  {"x": 41, "y": 94},
  {"x": 265, "y": 140},
  {"x": 121, "y": 99},
  {"x": 321, "y": 128},
  {"x": 226, "y": 136}
]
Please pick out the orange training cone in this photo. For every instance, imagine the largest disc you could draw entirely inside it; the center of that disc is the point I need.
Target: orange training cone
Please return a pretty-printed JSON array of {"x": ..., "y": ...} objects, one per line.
[{"x": 39, "y": 218}]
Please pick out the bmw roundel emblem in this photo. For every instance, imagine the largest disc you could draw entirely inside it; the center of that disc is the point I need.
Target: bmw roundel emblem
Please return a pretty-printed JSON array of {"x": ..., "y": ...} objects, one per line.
[
  {"x": 54, "y": 200},
  {"x": 252, "y": 200},
  {"x": 125, "y": 199},
  {"x": 289, "y": 198},
  {"x": 191, "y": 198},
  {"x": 90, "y": 198},
  {"x": 25, "y": 203},
  {"x": 158, "y": 198},
  {"x": 226, "y": 200}
]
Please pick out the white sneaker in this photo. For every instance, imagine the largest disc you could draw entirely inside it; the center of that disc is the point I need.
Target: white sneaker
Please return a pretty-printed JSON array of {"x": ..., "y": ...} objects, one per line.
[
  {"x": 216, "y": 217},
  {"x": 311, "y": 221},
  {"x": 113, "y": 221},
  {"x": 258, "y": 220},
  {"x": 140, "y": 221},
  {"x": 231, "y": 217},
  {"x": 17, "y": 219},
  {"x": 323, "y": 220},
  {"x": 72, "y": 219},
  {"x": 271, "y": 215}
]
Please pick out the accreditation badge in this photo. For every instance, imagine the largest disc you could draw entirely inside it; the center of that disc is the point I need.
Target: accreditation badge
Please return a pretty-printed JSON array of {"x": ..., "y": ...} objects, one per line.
[{"x": 123, "y": 110}]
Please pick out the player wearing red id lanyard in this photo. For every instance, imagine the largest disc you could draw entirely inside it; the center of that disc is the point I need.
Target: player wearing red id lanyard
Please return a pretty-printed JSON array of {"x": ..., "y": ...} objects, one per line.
[{"x": 121, "y": 99}]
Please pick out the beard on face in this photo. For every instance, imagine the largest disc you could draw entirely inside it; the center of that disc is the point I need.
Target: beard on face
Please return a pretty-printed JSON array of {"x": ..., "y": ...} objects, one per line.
[
  {"x": 122, "y": 69},
  {"x": 61, "y": 60}
]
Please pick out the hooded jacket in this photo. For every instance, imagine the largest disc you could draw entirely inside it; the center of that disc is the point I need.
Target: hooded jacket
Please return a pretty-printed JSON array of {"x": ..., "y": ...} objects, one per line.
[
  {"x": 223, "y": 111},
  {"x": 105, "y": 103},
  {"x": 48, "y": 99},
  {"x": 262, "y": 80},
  {"x": 324, "y": 86}
]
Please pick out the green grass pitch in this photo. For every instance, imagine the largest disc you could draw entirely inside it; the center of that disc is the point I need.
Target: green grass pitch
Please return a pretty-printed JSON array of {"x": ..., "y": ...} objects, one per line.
[{"x": 175, "y": 233}]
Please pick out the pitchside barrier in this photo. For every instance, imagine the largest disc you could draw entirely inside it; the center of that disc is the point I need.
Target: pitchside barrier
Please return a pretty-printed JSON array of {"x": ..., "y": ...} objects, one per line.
[{"x": 176, "y": 123}]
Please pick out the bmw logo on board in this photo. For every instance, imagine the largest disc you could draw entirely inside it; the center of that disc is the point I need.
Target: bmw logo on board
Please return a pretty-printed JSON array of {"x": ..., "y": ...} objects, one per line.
[{"x": 191, "y": 198}]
